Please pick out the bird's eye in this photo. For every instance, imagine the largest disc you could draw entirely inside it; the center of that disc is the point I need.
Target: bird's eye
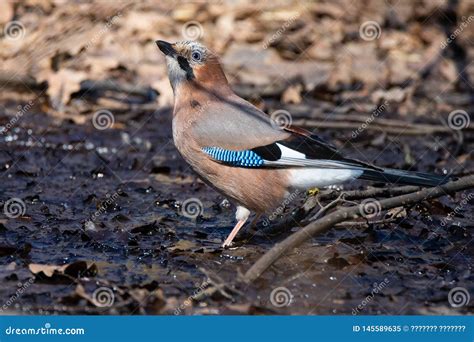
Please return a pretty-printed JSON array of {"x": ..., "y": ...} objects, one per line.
[{"x": 196, "y": 55}]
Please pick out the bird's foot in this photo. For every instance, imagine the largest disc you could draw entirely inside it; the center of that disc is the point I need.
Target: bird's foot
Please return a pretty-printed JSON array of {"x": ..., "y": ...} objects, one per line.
[
  {"x": 313, "y": 191},
  {"x": 227, "y": 243}
]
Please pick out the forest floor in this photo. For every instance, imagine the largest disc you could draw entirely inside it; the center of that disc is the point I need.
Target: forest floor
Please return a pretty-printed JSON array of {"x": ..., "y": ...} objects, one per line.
[{"x": 101, "y": 228}]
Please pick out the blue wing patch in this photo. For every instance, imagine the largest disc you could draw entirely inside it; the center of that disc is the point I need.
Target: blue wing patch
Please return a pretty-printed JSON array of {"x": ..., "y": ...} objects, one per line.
[{"x": 235, "y": 158}]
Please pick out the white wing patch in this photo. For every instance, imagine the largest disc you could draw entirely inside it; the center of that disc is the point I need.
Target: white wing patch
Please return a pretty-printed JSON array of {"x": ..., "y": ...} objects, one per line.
[
  {"x": 310, "y": 173},
  {"x": 305, "y": 178},
  {"x": 290, "y": 153}
]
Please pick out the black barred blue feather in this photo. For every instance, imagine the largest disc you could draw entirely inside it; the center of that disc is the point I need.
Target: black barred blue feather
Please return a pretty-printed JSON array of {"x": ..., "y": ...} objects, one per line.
[{"x": 236, "y": 158}]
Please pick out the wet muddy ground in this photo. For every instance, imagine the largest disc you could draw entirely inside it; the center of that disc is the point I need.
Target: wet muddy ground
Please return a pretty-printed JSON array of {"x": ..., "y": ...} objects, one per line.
[{"x": 108, "y": 202}]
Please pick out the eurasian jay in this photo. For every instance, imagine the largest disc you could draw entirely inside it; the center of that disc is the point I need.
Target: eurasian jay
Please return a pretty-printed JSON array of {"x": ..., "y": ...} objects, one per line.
[{"x": 239, "y": 151}]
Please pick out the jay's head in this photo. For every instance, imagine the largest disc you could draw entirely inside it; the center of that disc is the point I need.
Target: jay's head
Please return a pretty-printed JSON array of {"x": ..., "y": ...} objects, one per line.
[{"x": 192, "y": 62}]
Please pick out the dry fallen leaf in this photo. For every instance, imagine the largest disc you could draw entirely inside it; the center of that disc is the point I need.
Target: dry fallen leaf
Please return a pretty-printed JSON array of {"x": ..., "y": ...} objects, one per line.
[
  {"x": 47, "y": 270},
  {"x": 292, "y": 94},
  {"x": 75, "y": 269},
  {"x": 396, "y": 212},
  {"x": 242, "y": 309},
  {"x": 395, "y": 94},
  {"x": 183, "y": 245},
  {"x": 100, "y": 299},
  {"x": 81, "y": 292},
  {"x": 448, "y": 70},
  {"x": 61, "y": 85}
]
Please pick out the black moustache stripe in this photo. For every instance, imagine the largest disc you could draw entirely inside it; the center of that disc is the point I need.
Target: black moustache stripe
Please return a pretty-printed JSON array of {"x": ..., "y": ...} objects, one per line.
[{"x": 184, "y": 64}]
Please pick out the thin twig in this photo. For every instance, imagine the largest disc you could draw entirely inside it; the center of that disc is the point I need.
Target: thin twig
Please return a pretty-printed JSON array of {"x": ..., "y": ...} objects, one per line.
[
  {"x": 216, "y": 284},
  {"x": 371, "y": 192},
  {"x": 328, "y": 206}
]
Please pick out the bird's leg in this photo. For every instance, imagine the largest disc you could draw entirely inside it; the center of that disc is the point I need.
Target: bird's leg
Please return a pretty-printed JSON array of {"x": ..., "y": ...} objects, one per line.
[
  {"x": 242, "y": 214},
  {"x": 234, "y": 232}
]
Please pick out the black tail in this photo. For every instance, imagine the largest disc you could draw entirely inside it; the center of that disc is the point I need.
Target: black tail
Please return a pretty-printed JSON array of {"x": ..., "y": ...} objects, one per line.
[{"x": 404, "y": 177}]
